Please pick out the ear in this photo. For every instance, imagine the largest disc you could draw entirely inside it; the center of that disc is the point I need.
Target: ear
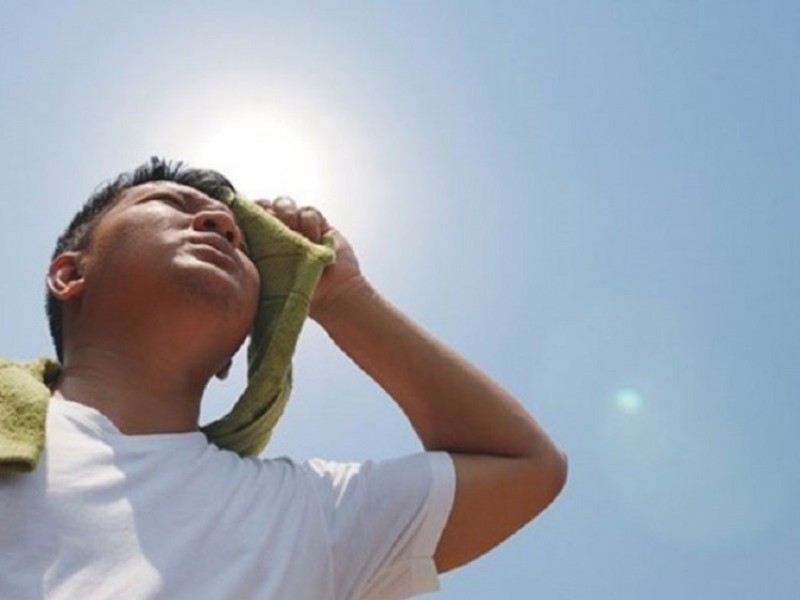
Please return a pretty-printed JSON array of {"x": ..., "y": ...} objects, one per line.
[
  {"x": 222, "y": 374},
  {"x": 64, "y": 277}
]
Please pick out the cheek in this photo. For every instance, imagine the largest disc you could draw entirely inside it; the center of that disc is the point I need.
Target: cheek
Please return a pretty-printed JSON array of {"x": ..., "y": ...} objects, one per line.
[
  {"x": 122, "y": 236},
  {"x": 130, "y": 249},
  {"x": 143, "y": 229},
  {"x": 253, "y": 285}
]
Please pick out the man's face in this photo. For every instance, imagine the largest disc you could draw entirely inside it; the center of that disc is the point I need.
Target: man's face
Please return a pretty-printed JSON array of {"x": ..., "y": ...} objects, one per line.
[{"x": 163, "y": 242}]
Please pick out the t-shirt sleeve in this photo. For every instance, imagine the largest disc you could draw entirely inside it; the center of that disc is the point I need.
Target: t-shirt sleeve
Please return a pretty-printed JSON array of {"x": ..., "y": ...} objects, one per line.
[{"x": 384, "y": 520}]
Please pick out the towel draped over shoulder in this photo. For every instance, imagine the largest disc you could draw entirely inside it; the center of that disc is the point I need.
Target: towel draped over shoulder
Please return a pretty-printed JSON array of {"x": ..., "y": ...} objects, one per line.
[{"x": 289, "y": 266}]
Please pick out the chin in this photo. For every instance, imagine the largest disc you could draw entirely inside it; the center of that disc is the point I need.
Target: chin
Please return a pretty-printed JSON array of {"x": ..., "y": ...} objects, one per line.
[{"x": 213, "y": 287}]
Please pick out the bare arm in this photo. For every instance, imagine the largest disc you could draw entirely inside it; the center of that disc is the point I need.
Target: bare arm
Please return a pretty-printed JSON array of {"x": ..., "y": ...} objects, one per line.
[{"x": 507, "y": 469}]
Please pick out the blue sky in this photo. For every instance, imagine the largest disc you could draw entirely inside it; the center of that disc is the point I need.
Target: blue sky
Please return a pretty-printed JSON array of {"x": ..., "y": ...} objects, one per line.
[{"x": 594, "y": 201}]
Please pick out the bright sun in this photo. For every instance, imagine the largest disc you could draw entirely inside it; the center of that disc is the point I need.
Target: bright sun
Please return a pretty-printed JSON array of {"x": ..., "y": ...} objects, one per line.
[{"x": 263, "y": 158}]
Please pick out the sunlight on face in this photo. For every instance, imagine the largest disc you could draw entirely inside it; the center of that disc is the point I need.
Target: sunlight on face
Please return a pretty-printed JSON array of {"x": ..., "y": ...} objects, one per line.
[
  {"x": 317, "y": 157},
  {"x": 264, "y": 157},
  {"x": 266, "y": 152}
]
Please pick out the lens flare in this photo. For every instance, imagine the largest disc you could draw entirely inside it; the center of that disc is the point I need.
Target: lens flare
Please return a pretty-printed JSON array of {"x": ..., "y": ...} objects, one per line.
[{"x": 628, "y": 401}]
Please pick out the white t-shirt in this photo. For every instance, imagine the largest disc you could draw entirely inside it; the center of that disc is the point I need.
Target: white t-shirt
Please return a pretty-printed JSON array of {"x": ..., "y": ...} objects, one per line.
[{"x": 106, "y": 515}]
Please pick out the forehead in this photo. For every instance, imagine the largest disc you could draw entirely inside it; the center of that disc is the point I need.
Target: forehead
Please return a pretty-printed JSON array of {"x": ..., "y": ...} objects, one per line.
[{"x": 154, "y": 188}]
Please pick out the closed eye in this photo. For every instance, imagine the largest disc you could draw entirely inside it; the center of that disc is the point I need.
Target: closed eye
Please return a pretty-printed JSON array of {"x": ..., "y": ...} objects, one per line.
[
  {"x": 183, "y": 205},
  {"x": 174, "y": 201}
]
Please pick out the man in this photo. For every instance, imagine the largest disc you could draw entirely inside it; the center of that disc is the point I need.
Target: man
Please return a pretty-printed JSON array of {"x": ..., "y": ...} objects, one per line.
[{"x": 150, "y": 295}]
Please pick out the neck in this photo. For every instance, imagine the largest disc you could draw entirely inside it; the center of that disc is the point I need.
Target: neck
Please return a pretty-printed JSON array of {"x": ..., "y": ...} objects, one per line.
[{"x": 139, "y": 394}]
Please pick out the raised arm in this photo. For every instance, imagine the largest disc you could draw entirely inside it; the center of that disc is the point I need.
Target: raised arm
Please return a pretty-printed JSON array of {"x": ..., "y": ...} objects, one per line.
[{"x": 507, "y": 468}]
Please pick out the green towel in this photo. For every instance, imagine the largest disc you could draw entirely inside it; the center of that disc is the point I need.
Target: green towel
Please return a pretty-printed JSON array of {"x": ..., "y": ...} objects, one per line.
[
  {"x": 290, "y": 267},
  {"x": 24, "y": 394}
]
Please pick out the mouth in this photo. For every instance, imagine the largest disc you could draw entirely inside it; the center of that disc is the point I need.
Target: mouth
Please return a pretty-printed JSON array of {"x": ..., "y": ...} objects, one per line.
[{"x": 216, "y": 249}]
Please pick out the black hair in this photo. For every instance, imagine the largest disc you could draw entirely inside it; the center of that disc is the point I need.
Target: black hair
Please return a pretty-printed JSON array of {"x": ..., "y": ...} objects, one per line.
[{"x": 77, "y": 235}]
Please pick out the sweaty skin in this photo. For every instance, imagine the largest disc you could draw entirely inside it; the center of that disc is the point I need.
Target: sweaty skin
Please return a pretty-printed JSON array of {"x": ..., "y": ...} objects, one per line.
[
  {"x": 164, "y": 296},
  {"x": 154, "y": 307},
  {"x": 507, "y": 468}
]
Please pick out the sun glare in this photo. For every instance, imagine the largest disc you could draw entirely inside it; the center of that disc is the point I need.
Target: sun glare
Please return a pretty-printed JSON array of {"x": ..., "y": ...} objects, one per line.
[{"x": 264, "y": 158}]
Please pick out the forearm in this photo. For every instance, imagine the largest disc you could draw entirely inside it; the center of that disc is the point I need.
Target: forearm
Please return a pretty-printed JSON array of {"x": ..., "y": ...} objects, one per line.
[
  {"x": 451, "y": 404},
  {"x": 507, "y": 468}
]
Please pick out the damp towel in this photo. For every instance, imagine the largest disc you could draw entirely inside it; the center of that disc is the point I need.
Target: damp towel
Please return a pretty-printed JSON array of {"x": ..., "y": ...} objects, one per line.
[{"x": 290, "y": 267}]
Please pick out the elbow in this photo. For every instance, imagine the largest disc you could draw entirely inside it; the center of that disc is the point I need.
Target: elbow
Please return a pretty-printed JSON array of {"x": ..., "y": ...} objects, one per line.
[
  {"x": 553, "y": 471},
  {"x": 548, "y": 476},
  {"x": 561, "y": 470}
]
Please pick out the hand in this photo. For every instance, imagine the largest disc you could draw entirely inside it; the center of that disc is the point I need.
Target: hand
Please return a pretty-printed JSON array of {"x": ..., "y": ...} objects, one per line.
[{"x": 337, "y": 278}]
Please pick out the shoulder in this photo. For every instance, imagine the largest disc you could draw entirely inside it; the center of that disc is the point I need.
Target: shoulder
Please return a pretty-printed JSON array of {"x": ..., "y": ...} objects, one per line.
[
  {"x": 383, "y": 520},
  {"x": 423, "y": 471}
]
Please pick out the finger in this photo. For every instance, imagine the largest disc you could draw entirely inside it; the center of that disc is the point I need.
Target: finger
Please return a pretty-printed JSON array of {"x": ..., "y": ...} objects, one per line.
[
  {"x": 323, "y": 222},
  {"x": 266, "y": 205},
  {"x": 284, "y": 203},
  {"x": 286, "y": 210},
  {"x": 324, "y": 226},
  {"x": 310, "y": 221}
]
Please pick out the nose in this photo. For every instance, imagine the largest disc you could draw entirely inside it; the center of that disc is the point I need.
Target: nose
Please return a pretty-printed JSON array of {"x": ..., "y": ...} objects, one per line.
[{"x": 221, "y": 222}]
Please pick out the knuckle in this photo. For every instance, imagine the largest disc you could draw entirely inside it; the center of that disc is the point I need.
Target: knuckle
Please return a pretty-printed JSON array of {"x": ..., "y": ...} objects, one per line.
[{"x": 284, "y": 201}]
